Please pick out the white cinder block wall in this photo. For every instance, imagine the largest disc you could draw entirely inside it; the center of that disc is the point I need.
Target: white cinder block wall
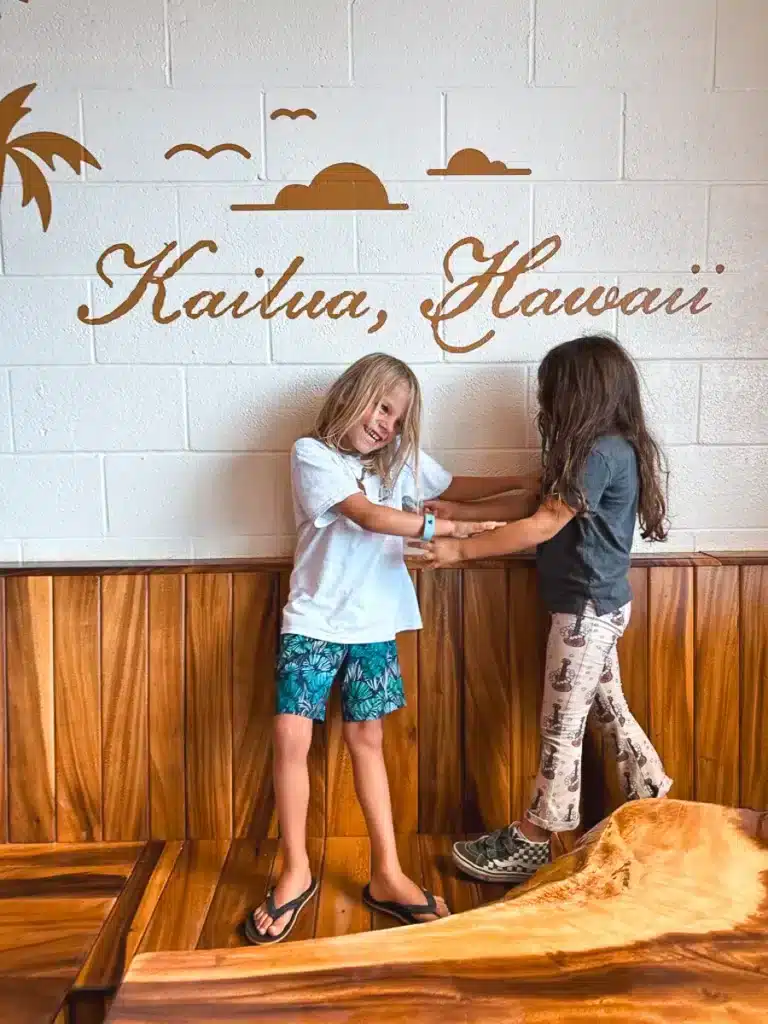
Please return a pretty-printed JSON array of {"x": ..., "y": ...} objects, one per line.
[{"x": 645, "y": 124}]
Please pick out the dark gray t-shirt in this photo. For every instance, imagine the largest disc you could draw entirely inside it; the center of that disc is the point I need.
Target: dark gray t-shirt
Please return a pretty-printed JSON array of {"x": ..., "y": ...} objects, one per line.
[{"x": 588, "y": 560}]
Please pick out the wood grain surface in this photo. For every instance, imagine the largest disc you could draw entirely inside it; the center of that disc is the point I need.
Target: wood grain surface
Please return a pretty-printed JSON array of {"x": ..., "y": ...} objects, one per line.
[
  {"x": 54, "y": 901},
  {"x": 660, "y": 914},
  {"x": 441, "y": 768},
  {"x": 166, "y": 697},
  {"x": 139, "y": 705}
]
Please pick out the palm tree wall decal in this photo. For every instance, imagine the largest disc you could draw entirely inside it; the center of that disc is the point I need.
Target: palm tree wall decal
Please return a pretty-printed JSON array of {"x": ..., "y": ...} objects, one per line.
[{"x": 46, "y": 146}]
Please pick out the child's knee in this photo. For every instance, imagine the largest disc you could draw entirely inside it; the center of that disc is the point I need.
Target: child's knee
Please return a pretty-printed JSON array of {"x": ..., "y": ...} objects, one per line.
[
  {"x": 292, "y": 736},
  {"x": 364, "y": 737}
]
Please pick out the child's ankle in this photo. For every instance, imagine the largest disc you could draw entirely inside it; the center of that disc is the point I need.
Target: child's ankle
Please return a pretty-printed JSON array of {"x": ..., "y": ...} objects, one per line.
[{"x": 534, "y": 833}]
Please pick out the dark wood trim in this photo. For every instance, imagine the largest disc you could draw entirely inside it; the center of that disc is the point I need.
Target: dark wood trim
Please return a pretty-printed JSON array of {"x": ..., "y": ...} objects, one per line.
[{"x": 677, "y": 559}]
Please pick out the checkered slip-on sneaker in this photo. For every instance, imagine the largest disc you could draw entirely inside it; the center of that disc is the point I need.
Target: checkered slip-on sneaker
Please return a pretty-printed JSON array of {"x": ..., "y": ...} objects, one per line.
[{"x": 503, "y": 856}]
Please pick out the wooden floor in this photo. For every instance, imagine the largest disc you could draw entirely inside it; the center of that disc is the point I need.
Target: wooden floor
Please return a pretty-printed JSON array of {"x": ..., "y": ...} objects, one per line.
[
  {"x": 73, "y": 917},
  {"x": 202, "y": 890},
  {"x": 660, "y": 916}
]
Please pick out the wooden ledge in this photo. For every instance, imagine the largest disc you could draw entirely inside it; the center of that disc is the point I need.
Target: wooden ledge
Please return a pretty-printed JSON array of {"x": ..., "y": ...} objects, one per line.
[
  {"x": 660, "y": 914},
  {"x": 285, "y": 563}
]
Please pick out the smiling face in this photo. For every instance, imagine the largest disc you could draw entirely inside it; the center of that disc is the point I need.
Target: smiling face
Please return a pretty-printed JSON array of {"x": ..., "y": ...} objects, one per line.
[{"x": 381, "y": 422}]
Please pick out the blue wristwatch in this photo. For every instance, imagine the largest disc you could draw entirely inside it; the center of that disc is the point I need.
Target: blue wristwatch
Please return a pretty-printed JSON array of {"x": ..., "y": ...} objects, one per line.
[{"x": 429, "y": 526}]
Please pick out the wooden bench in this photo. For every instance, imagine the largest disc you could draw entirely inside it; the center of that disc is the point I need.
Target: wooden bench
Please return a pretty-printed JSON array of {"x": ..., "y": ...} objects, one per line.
[
  {"x": 663, "y": 915},
  {"x": 54, "y": 903}
]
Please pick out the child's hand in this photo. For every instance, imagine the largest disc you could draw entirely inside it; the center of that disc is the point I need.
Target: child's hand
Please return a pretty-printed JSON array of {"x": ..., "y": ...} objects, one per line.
[
  {"x": 441, "y": 553},
  {"x": 463, "y": 530}
]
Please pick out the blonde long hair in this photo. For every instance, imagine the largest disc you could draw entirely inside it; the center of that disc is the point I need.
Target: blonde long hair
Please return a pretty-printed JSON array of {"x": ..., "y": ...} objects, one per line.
[{"x": 361, "y": 385}]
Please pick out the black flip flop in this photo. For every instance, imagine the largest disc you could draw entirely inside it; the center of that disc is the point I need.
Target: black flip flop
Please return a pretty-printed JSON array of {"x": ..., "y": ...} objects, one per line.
[
  {"x": 293, "y": 907},
  {"x": 406, "y": 913}
]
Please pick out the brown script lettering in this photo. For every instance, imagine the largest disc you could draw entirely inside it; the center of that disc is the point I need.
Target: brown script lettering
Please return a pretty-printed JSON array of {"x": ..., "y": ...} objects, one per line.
[{"x": 464, "y": 295}]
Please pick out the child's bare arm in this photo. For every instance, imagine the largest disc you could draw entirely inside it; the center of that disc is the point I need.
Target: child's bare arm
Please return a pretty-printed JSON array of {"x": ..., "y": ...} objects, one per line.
[
  {"x": 382, "y": 519},
  {"x": 548, "y": 519},
  {"x": 505, "y": 508},
  {"x": 475, "y": 488}
]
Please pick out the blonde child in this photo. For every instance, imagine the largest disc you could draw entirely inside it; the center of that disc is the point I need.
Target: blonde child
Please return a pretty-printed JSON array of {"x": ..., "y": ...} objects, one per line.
[{"x": 350, "y": 595}]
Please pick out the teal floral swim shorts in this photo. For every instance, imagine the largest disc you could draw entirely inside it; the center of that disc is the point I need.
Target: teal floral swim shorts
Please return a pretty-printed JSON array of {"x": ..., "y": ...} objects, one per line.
[{"x": 371, "y": 683}]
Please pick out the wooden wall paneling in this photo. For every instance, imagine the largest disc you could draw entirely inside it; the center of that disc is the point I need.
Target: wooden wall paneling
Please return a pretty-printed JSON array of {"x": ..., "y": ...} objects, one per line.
[
  {"x": 29, "y": 669},
  {"x": 441, "y": 877},
  {"x": 754, "y": 686},
  {"x": 671, "y": 667},
  {"x": 209, "y": 705},
  {"x": 401, "y": 737},
  {"x": 77, "y": 696},
  {"x": 487, "y": 738},
  {"x": 716, "y": 704},
  {"x": 124, "y": 712},
  {"x": 317, "y": 761},
  {"x": 166, "y": 696},
  {"x": 3, "y": 724},
  {"x": 633, "y": 664},
  {"x": 254, "y": 646},
  {"x": 526, "y": 660},
  {"x": 441, "y": 769}
]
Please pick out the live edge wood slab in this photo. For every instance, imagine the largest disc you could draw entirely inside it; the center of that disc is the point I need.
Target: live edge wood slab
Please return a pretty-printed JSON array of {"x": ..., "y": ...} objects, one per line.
[{"x": 660, "y": 914}]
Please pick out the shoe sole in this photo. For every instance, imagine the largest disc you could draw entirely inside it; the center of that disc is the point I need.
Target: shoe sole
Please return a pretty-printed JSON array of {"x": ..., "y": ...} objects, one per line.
[{"x": 514, "y": 878}]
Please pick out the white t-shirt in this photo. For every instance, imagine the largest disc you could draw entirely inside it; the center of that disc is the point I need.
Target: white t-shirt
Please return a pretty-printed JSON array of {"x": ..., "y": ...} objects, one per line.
[{"x": 349, "y": 585}]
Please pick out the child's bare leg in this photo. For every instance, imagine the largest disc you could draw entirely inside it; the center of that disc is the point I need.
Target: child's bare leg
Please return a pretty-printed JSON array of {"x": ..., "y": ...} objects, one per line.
[
  {"x": 388, "y": 881},
  {"x": 292, "y": 738}
]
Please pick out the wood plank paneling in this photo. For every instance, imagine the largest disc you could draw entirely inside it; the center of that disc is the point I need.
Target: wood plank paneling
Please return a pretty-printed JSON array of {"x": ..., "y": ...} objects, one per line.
[
  {"x": 166, "y": 695},
  {"x": 151, "y": 897},
  {"x": 209, "y": 706},
  {"x": 691, "y": 642},
  {"x": 31, "y": 752},
  {"x": 527, "y": 630},
  {"x": 487, "y": 743},
  {"x": 77, "y": 694},
  {"x": 441, "y": 877},
  {"x": 183, "y": 906},
  {"x": 633, "y": 650},
  {"x": 124, "y": 707},
  {"x": 105, "y": 964},
  {"x": 346, "y": 869},
  {"x": 754, "y": 681},
  {"x": 441, "y": 769},
  {"x": 254, "y": 647},
  {"x": 3, "y": 724},
  {"x": 716, "y": 709},
  {"x": 241, "y": 888},
  {"x": 671, "y": 668}
]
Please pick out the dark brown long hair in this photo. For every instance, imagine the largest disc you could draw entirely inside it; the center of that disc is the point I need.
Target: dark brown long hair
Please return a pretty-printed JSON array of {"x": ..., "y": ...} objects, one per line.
[{"x": 588, "y": 388}]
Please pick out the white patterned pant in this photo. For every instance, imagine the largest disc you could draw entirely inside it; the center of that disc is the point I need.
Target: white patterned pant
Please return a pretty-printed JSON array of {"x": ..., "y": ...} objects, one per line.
[{"x": 582, "y": 681}]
